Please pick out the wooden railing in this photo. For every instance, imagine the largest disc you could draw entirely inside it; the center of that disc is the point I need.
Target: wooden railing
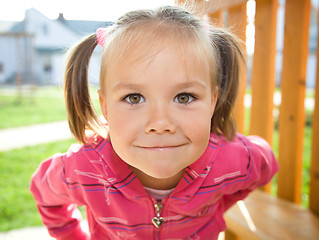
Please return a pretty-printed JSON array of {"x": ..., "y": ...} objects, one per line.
[{"x": 291, "y": 116}]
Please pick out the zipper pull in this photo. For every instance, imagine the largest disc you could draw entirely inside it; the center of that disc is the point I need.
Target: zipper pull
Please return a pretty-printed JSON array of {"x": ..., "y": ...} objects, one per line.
[{"x": 158, "y": 220}]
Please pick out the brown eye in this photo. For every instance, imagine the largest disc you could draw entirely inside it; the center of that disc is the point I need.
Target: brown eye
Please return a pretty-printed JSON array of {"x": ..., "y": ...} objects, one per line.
[
  {"x": 134, "y": 98},
  {"x": 184, "y": 98}
]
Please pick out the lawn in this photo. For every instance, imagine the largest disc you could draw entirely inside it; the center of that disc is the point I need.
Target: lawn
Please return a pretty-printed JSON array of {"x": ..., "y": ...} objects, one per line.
[
  {"x": 17, "y": 207},
  {"x": 40, "y": 105}
]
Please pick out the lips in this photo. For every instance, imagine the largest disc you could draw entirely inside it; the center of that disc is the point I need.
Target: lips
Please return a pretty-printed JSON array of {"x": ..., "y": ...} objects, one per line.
[{"x": 161, "y": 147}]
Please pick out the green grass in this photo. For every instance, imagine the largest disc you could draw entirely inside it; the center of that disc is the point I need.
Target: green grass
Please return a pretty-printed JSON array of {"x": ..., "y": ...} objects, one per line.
[
  {"x": 17, "y": 206},
  {"x": 44, "y": 106},
  {"x": 41, "y": 105}
]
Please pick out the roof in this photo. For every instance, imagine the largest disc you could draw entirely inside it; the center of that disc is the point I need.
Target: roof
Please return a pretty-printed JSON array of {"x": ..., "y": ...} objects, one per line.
[
  {"x": 83, "y": 27},
  {"x": 80, "y": 27},
  {"x": 6, "y": 26}
]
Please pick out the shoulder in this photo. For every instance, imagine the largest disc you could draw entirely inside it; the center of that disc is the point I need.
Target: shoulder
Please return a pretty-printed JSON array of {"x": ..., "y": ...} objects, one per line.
[
  {"x": 240, "y": 144},
  {"x": 241, "y": 151},
  {"x": 82, "y": 156}
]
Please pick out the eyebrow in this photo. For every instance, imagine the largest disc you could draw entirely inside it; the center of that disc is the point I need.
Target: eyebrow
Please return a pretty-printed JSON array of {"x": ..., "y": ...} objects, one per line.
[
  {"x": 195, "y": 83},
  {"x": 121, "y": 85},
  {"x": 183, "y": 85}
]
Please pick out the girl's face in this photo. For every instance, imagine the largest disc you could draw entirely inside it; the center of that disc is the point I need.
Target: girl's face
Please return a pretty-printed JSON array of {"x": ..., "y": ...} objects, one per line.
[{"x": 159, "y": 112}]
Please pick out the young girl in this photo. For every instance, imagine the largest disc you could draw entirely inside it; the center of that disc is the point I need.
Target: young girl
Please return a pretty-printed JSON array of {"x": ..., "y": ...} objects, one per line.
[{"x": 171, "y": 163}]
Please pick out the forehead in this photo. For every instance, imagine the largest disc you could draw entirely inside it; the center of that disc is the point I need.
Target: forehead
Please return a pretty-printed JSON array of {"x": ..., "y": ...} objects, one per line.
[
  {"x": 144, "y": 43},
  {"x": 167, "y": 64}
]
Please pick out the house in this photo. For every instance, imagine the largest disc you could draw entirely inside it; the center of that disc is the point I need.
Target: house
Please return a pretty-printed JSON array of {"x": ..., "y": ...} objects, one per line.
[{"x": 33, "y": 51}]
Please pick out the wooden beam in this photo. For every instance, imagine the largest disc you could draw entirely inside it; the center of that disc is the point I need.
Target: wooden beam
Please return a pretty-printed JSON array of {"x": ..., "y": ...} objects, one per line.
[
  {"x": 314, "y": 170},
  {"x": 230, "y": 235},
  {"x": 237, "y": 22},
  {"x": 180, "y": 2},
  {"x": 261, "y": 216},
  {"x": 292, "y": 112},
  {"x": 216, "y": 18},
  {"x": 216, "y": 5},
  {"x": 263, "y": 72}
]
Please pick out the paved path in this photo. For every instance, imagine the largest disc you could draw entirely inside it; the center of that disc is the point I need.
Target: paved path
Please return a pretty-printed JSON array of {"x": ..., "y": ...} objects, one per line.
[
  {"x": 32, "y": 233},
  {"x": 12, "y": 138}
]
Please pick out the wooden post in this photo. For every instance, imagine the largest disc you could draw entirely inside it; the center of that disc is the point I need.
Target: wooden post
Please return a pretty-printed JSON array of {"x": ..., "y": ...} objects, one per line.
[
  {"x": 237, "y": 21},
  {"x": 263, "y": 72},
  {"x": 180, "y": 2},
  {"x": 216, "y": 18},
  {"x": 314, "y": 171},
  {"x": 231, "y": 236},
  {"x": 292, "y": 112}
]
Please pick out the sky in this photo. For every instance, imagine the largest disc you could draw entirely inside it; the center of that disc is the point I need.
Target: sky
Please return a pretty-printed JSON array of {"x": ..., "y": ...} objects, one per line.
[{"x": 101, "y": 10}]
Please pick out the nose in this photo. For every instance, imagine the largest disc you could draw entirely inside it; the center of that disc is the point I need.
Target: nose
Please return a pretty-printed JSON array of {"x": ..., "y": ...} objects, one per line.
[{"x": 160, "y": 120}]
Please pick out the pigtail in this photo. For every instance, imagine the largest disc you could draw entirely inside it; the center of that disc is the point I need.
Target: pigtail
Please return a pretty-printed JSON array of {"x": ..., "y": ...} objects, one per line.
[
  {"x": 229, "y": 60},
  {"x": 81, "y": 114}
]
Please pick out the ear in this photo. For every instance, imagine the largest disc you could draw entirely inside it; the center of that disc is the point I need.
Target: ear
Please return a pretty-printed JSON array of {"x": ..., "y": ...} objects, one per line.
[
  {"x": 102, "y": 104},
  {"x": 214, "y": 100}
]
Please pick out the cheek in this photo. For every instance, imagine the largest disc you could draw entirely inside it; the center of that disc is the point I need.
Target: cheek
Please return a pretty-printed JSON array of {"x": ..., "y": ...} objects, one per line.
[
  {"x": 198, "y": 119},
  {"x": 122, "y": 123},
  {"x": 197, "y": 127}
]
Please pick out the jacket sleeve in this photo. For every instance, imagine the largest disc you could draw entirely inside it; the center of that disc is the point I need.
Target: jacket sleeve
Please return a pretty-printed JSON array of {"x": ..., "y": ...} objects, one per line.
[
  {"x": 58, "y": 212},
  {"x": 260, "y": 166}
]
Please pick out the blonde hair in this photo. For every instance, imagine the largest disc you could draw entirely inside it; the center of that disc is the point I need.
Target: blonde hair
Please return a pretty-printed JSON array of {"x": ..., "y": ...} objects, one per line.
[{"x": 218, "y": 51}]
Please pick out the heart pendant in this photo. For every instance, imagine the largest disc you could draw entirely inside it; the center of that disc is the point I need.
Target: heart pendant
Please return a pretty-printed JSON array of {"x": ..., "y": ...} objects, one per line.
[{"x": 157, "y": 221}]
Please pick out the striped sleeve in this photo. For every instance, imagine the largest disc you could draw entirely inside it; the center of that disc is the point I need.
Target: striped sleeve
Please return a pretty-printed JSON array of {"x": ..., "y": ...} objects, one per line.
[
  {"x": 58, "y": 213},
  {"x": 259, "y": 166}
]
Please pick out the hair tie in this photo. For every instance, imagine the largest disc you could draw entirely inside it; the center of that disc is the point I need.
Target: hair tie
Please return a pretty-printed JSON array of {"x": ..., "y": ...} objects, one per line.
[{"x": 101, "y": 35}]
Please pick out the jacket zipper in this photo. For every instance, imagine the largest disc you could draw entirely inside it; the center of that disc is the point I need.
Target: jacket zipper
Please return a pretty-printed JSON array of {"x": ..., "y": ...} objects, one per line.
[{"x": 158, "y": 220}]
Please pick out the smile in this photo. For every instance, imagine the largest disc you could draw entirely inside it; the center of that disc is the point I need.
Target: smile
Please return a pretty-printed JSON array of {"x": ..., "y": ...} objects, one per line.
[{"x": 161, "y": 148}]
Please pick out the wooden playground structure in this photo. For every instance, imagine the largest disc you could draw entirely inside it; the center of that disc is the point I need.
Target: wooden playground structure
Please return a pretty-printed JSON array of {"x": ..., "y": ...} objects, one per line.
[{"x": 262, "y": 216}]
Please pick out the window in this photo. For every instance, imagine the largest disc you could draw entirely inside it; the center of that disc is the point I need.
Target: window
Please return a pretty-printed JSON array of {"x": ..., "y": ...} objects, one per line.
[
  {"x": 47, "y": 68},
  {"x": 45, "y": 29}
]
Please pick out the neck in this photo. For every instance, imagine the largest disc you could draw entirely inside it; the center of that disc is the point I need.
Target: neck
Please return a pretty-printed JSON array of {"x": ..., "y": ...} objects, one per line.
[{"x": 158, "y": 183}]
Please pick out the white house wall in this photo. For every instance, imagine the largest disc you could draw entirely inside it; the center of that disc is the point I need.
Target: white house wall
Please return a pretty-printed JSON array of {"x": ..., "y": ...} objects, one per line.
[
  {"x": 49, "y": 34},
  {"x": 58, "y": 60},
  {"x": 7, "y": 57},
  {"x": 16, "y": 57}
]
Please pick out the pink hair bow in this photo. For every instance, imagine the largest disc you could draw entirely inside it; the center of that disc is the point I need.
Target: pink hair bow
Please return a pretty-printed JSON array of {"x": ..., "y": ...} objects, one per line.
[{"x": 101, "y": 35}]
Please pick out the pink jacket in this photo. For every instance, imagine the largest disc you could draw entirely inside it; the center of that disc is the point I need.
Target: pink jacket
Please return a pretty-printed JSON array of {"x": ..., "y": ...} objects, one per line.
[{"x": 118, "y": 206}]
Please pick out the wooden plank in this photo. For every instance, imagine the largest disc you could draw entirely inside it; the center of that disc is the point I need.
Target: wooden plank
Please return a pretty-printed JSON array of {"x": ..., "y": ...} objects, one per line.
[
  {"x": 204, "y": 7},
  {"x": 237, "y": 21},
  {"x": 216, "y": 18},
  {"x": 231, "y": 236},
  {"x": 261, "y": 216},
  {"x": 314, "y": 171},
  {"x": 292, "y": 112},
  {"x": 263, "y": 72},
  {"x": 180, "y": 2}
]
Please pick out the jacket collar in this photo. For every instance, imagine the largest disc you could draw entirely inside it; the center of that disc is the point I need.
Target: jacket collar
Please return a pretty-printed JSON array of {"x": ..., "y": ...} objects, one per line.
[{"x": 125, "y": 181}]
